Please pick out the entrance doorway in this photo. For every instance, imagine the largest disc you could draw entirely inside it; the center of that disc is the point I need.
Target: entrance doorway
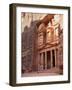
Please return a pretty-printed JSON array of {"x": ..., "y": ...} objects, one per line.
[
  {"x": 53, "y": 58},
  {"x": 48, "y": 60},
  {"x": 43, "y": 60}
]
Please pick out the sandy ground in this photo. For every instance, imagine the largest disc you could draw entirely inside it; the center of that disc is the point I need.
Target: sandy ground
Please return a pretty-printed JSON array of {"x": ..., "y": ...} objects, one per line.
[{"x": 41, "y": 73}]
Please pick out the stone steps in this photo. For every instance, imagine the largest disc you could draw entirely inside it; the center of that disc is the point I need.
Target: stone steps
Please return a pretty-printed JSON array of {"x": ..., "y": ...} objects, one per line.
[{"x": 52, "y": 70}]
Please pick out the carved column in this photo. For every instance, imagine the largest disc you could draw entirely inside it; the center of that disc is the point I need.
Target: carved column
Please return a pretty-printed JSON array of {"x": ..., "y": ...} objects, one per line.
[
  {"x": 55, "y": 57},
  {"x": 51, "y": 59},
  {"x": 41, "y": 66},
  {"x": 39, "y": 59},
  {"x": 45, "y": 60}
]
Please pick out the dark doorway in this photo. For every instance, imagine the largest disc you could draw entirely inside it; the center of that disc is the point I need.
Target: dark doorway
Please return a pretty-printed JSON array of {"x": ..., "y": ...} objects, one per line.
[
  {"x": 43, "y": 60},
  {"x": 48, "y": 60},
  {"x": 53, "y": 56}
]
